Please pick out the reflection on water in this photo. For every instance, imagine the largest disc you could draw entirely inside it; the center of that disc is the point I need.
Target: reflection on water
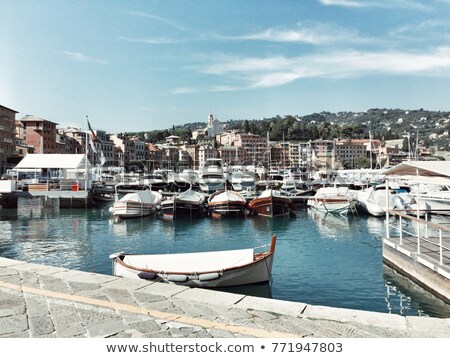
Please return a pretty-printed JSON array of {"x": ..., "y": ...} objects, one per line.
[
  {"x": 399, "y": 297},
  {"x": 331, "y": 225},
  {"x": 259, "y": 290},
  {"x": 320, "y": 259}
]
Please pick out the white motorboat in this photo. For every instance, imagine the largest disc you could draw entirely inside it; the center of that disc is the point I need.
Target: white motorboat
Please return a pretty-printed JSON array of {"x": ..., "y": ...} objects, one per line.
[
  {"x": 373, "y": 200},
  {"x": 435, "y": 197},
  {"x": 242, "y": 180},
  {"x": 200, "y": 269},
  {"x": 211, "y": 176},
  {"x": 333, "y": 199}
]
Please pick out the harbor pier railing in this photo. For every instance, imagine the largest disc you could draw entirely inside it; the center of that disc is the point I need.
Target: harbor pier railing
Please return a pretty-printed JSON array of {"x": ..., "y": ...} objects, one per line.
[{"x": 420, "y": 250}]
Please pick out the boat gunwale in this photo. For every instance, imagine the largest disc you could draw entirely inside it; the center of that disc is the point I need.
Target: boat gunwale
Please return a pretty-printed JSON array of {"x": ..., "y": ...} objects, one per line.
[{"x": 257, "y": 258}]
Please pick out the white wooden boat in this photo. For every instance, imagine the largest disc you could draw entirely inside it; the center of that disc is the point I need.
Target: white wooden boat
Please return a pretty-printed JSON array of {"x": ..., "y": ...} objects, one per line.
[
  {"x": 199, "y": 269},
  {"x": 140, "y": 203},
  {"x": 226, "y": 203}
]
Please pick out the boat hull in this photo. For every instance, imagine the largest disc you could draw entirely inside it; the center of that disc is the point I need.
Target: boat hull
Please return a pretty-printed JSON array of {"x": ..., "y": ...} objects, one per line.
[
  {"x": 271, "y": 206},
  {"x": 132, "y": 210},
  {"x": 330, "y": 205},
  {"x": 228, "y": 208},
  {"x": 258, "y": 271},
  {"x": 174, "y": 208}
]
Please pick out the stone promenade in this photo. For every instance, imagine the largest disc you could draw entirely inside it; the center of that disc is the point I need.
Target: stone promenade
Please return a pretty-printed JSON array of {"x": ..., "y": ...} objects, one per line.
[{"x": 44, "y": 301}]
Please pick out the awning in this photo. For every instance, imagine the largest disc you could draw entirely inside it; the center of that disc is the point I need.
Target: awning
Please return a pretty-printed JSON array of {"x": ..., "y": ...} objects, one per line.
[
  {"x": 54, "y": 161},
  {"x": 423, "y": 168}
]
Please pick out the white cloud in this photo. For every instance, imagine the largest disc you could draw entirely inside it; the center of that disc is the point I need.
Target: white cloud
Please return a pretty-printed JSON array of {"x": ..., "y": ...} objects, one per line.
[
  {"x": 158, "y": 19},
  {"x": 387, "y": 4},
  {"x": 184, "y": 90},
  {"x": 150, "y": 40},
  {"x": 80, "y": 57},
  {"x": 276, "y": 71},
  {"x": 310, "y": 33}
]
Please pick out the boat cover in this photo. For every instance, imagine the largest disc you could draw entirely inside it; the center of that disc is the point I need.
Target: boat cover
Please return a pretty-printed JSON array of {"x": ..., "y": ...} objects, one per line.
[
  {"x": 191, "y": 196},
  {"x": 191, "y": 262},
  {"x": 145, "y": 197},
  {"x": 227, "y": 195}
]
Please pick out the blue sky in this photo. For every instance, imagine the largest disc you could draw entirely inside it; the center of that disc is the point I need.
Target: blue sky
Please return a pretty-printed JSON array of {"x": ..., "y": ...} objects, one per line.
[{"x": 142, "y": 65}]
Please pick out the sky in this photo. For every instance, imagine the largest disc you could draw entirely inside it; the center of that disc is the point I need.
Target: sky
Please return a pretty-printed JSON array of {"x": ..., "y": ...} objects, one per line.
[{"x": 148, "y": 64}]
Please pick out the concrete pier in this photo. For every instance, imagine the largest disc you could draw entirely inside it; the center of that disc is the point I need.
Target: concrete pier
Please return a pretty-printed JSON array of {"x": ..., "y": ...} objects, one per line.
[
  {"x": 422, "y": 255},
  {"x": 62, "y": 198},
  {"x": 44, "y": 301}
]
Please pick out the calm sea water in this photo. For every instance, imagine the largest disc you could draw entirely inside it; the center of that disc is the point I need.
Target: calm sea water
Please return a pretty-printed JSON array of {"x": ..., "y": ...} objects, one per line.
[{"x": 320, "y": 259}]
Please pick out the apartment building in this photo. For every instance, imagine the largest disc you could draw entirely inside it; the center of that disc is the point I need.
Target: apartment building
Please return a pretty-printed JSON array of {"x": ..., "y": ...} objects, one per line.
[
  {"x": 41, "y": 134},
  {"x": 206, "y": 152},
  {"x": 322, "y": 153},
  {"x": 349, "y": 151},
  {"x": 232, "y": 155},
  {"x": 255, "y": 147},
  {"x": 7, "y": 136}
]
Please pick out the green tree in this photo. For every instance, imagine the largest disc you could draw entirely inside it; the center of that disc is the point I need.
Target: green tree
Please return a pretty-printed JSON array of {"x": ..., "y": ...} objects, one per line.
[{"x": 246, "y": 126}]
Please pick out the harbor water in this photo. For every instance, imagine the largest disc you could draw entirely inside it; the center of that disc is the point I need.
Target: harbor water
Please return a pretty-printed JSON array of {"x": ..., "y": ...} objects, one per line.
[{"x": 320, "y": 259}]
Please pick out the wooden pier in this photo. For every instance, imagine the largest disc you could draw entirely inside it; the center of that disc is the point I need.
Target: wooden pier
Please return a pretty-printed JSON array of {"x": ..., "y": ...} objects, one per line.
[{"x": 420, "y": 250}]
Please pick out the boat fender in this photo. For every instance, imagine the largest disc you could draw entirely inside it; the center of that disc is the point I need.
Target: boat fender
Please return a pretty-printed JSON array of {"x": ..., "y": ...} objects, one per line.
[
  {"x": 110, "y": 209},
  {"x": 147, "y": 275},
  {"x": 209, "y": 276},
  {"x": 177, "y": 278}
]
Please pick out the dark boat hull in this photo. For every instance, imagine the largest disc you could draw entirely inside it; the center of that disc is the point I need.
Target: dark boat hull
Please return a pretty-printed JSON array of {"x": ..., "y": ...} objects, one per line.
[{"x": 271, "y": 206}]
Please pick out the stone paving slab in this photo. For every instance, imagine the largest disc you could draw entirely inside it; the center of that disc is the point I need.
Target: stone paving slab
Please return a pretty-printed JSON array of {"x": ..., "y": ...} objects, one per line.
[{"x": 40, "y": 301}]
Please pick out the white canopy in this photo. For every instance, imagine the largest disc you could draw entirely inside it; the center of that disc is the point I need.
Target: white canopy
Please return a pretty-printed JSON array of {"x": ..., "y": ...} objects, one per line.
[
  {"x": 55, "y": 161},
  {"x": 424, "y": 168}
]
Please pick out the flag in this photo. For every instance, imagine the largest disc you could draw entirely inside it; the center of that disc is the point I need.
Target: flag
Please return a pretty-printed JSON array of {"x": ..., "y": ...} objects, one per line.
[
  {"x": 91, "y": 143},
  {"x": 94, "y": 137},
  {"x": 102, "y": 158}
]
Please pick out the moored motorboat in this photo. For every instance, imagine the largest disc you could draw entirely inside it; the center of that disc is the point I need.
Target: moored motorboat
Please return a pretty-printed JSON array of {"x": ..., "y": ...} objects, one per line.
[
  {"x": 137, "y": 204},
  {"x": 226, "y": 203},
  {"x": 212, "y": 176},
  {"x": 188, "y": 203},
  {"x": 333, "y": 200},
  {"x": 271, "y": 203},
  {"x": 200, "y": 269}
]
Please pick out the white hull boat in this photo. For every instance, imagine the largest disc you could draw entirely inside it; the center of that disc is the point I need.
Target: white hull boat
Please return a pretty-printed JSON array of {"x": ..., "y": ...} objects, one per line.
[
  {"x": 141, "y": 203},
  {"x": 201, "y": 269},
  {"x": 337, "y": 200},
  {"x": 212, "y": 176},
  {"x": 373, "y": 200}
]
